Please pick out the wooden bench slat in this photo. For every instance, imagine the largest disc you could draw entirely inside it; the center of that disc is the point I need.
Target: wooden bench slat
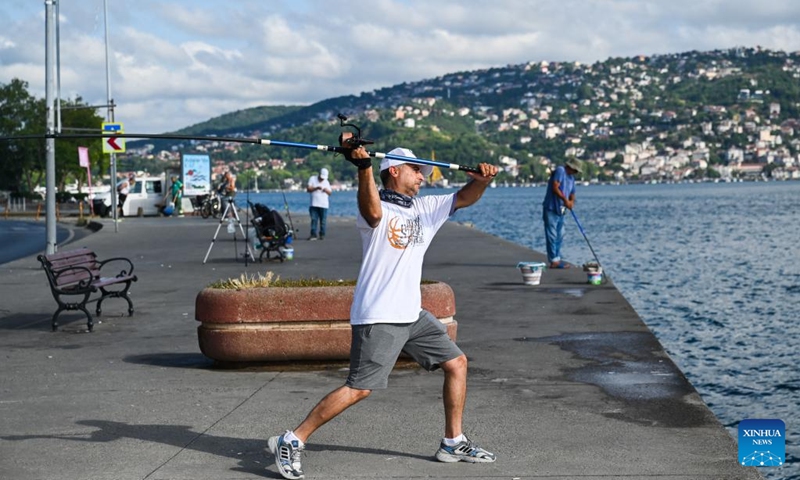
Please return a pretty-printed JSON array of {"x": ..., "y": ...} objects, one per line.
[
  {"x": 88, "y": 262},
  {"x": 74, "y": 269},
  {"x": 72, "y": 259},
  {"x": 104, "y": 281},
  {"x": 73, "y": 278},
  {"x": 68, "y": 254}
]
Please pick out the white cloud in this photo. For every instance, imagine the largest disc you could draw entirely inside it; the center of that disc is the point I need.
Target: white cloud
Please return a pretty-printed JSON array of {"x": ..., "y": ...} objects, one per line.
[{"x": 179, "y": 62}]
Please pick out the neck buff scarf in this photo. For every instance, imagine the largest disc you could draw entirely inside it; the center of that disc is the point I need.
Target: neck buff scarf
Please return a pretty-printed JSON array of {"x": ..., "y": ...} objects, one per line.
[{"x": 397, "y": 198}]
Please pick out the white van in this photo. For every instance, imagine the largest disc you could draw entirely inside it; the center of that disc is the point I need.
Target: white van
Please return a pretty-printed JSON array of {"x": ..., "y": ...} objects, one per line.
[{"x": 145, "y": 194}]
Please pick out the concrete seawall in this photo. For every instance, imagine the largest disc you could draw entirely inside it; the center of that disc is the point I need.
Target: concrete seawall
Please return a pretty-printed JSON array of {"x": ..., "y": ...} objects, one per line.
[{"x": 565, "y": 379}]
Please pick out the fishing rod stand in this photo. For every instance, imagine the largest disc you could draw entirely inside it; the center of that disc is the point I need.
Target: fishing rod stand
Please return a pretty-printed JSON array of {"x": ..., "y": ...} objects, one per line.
[{"x": 231, "y": 217}]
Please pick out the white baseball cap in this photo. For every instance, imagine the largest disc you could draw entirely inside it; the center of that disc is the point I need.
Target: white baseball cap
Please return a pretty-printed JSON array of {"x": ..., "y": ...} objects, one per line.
[
  {"x": 323, "y": 174},
  {"x": 404, "y": 152}
]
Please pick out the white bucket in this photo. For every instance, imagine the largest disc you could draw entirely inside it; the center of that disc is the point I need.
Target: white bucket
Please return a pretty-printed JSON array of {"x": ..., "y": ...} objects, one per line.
[
  {"x": 531, "y": 272},
  {"x": 594, "y": 273},
  {"x": 595, "y": 276},
  {"x": 288, "y": 252}
]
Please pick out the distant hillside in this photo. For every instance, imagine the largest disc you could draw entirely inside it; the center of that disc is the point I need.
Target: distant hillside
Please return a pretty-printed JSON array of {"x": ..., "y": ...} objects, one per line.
[
  {"x": 685, "y": 78},
  {"x": 238, "y": 121},
  {"x": 246, "y": 120},
  {"x": 674, "y": 116}
]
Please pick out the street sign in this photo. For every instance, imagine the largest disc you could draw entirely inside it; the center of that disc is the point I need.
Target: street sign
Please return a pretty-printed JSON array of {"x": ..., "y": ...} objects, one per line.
[{"x": 112, "y": 144}]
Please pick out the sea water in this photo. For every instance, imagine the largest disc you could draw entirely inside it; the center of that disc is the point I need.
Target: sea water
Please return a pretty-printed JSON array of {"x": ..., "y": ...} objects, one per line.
[{"x": 712, "y": 269}]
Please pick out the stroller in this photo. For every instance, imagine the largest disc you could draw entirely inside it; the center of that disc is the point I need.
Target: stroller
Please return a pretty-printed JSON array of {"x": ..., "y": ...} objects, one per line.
[{"x": 272, "y": 232}]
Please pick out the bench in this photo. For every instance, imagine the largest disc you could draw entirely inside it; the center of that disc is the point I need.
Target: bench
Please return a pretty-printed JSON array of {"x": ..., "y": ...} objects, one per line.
[{"x": 78, "y": 273}]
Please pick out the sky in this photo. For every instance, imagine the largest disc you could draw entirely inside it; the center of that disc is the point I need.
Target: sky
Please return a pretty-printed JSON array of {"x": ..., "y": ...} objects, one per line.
[{"x": 175, "y": 63}]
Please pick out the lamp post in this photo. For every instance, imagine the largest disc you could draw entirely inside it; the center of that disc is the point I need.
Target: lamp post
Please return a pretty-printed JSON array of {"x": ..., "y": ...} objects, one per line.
[
  {"x": 50, "y": 144},
  {"x": 110, "y": 119}
]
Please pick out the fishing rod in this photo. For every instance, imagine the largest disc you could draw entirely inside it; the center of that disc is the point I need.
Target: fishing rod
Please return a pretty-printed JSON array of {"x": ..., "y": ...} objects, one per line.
[
  {"x": 353, "y": 141},
  {"x": 288, "y": 215},
  {"x": 247, "y": 222},
  {"x": 583, "y": 232}
]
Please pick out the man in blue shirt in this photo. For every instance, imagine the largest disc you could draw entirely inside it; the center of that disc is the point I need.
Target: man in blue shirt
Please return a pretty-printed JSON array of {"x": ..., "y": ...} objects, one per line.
[{"x": 560, "y": 196}]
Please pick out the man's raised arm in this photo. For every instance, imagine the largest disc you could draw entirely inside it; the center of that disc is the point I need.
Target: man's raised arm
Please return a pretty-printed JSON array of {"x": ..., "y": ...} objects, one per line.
[{"x": 472, "y": 191}]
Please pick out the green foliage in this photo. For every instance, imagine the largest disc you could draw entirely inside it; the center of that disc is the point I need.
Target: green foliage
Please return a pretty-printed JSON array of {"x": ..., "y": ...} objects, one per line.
[
  {"x": 77, "y": 116},
  {"x": 238, "y": 121},
  {"x": 22, "y": 162}
]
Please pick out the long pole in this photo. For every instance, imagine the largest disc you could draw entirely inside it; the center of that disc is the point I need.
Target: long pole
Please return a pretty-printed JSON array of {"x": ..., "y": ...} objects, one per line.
[
  {"x": 257, "y": 141},
  {"x": 58, "y": 67},
  {"x": 288, "y": 215},
  {"x": 50, "y": 144},
  {"x": 247, "y": 224},
  {"x": 110, "y": 118}
]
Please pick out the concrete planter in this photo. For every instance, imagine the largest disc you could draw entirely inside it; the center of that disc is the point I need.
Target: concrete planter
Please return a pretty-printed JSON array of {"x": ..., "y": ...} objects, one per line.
[{"x": 288, "y": 324}]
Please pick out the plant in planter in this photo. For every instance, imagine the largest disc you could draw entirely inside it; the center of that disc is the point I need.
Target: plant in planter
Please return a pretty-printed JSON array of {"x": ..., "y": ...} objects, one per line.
[{"x": 265, "y": 319}]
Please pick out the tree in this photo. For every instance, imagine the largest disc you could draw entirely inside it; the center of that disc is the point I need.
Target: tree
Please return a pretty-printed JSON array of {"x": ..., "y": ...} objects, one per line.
[
  {"x": 247, "y": 179},
  {"x": 21, "y": 161},
  {"x": 768, "y": 168},
  {"x": 76, "y": 115}
]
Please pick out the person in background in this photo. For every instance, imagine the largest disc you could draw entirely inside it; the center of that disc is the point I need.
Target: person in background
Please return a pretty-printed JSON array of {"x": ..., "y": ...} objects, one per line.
[
  {"x": 176, "y": 193},
  {"x": 227, "y": 190},
  {"x": 123, "y": 189},
  {"x": 396, "y": 227},
  {"x": 559, "y": 198},
  {"x": 320, "y": 189},
  {"x": 227, "y": 186}
]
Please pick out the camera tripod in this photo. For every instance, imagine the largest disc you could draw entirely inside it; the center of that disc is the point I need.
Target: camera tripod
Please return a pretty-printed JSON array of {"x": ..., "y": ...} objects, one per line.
[{"x": 231, "y": 206}]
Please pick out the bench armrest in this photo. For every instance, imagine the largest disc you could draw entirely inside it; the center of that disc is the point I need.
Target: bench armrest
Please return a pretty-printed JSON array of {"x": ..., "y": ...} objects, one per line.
[
  {"x": 123, "y": 272},
  {"x": 82, "y": 286}
]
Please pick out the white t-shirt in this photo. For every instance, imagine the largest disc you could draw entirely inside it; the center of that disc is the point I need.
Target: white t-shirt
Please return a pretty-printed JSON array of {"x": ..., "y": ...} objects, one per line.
[
  {"x": 388, "y": 288},
  {"x": 123, "y": 187},
  {"x": 318, "y": 197}
]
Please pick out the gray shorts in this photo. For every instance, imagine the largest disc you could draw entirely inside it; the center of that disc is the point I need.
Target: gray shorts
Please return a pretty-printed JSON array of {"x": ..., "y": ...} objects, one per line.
[{"x": 375, "y": 348}]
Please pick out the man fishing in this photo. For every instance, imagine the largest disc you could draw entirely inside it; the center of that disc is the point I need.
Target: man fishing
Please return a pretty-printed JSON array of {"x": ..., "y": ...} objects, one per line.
[
  {"x": 559, "y": 198},
  {"x": 386, "y": 316}
]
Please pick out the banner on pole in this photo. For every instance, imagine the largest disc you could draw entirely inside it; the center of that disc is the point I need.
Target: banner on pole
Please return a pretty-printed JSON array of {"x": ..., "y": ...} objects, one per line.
[
  {"x": 83, "y": 157},
  {"x": 83, "y": 161}
]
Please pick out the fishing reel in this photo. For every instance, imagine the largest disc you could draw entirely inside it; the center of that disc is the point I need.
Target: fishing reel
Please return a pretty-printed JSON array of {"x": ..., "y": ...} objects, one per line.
[{"x": 351, "y": 139}]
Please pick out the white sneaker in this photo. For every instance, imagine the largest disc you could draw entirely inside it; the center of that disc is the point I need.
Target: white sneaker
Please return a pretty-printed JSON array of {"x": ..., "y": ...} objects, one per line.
[
  {"x": 287, "y": 456},
  {"x": 465, "y": 451}
]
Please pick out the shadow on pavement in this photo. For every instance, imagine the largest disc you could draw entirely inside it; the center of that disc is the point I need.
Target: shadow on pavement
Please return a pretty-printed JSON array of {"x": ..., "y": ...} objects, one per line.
[
  {"x": 174, "y": 360},
  {"x": 32, "y": 321},
  {"x": 249, "y": 452}
]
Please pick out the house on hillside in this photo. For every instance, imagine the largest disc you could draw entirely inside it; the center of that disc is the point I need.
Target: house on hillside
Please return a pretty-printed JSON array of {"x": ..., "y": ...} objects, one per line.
[{"x": 750, "y": 170}]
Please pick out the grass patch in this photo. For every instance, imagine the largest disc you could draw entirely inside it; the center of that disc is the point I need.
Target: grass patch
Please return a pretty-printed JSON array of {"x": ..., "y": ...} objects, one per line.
[
  {"x": 258, "y": 280},
  {"x": 269, "y": 279}
]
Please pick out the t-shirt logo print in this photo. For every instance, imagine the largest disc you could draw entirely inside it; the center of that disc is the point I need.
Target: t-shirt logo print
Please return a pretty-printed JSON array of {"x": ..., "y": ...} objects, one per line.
[{"x": 401, "y": 236}]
